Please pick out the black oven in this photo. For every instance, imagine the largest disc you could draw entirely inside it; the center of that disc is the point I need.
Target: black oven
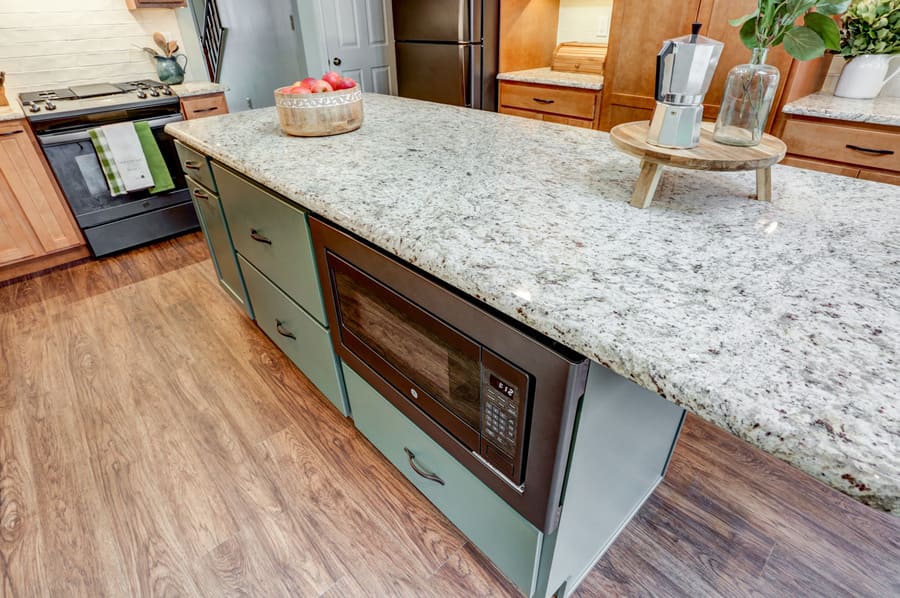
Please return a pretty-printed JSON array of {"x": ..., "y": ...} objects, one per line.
[
  {"x": 501, "y": 399},
  {"x": 111, "y": 223}
]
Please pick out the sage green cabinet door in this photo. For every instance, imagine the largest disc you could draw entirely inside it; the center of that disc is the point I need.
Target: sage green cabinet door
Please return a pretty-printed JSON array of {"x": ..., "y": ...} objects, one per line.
[
  {"x": 195, "y": 165},
  {"x": 493, "y": 526},
  {"x": 296, "y": 333},
  {"x": 273, "y": 236},
  {"x": 209, "y": 211}
]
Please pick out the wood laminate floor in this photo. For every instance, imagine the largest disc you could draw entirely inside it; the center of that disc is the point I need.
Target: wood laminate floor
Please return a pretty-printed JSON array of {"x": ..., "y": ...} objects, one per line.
[{"x": 154, "y": 442}]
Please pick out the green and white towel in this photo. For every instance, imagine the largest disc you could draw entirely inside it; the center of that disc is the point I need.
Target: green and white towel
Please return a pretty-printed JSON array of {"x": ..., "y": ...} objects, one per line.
[
  {"x": 107, "y": 163},
  {"x": 162, "y": 179}
]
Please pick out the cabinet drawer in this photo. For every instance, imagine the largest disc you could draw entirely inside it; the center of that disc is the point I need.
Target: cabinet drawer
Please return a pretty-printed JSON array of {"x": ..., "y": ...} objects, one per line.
[
  {"x": 196, "y": 166},
  {"x": 212, "y": 221},
  {"x": 201, "y": 106},
  {"x": 500, "y": 532},
  {"x": 843, "y": 143},
  {"x": 576, "y": 103},
  {"x": 299, "y": 336},
  {"x": 273, "y": 236}
]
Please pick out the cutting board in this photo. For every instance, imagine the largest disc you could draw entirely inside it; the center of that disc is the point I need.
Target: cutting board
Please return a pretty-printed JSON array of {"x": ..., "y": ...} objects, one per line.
[{"x": 579, "y": 57}]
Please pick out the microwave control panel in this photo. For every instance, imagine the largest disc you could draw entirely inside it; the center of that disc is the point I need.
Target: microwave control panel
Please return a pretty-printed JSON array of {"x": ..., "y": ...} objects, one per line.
[{"x": 500, "y": 419}]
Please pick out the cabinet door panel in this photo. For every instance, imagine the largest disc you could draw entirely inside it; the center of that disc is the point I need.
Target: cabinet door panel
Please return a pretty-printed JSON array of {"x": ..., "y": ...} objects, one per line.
[
  {"x": 17, "y": 240},
  {"x": 28, "y": 179}
]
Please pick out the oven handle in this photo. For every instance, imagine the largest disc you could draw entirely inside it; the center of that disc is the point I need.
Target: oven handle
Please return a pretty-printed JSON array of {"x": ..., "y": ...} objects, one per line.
[{"x": 83, "y": 135}]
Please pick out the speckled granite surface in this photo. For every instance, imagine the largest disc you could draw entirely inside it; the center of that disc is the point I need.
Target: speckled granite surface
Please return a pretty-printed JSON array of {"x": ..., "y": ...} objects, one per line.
[
  {"x": 880, "y": 111},
  {"x": 547, "y": 76},
  {"x": 197, "y": 88},
  {"x": 11, "y": 112},
  {"x": 779, "y": 322}
]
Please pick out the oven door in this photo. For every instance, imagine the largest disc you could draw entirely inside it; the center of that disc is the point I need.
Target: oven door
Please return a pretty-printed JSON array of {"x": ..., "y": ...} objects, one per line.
[
  {"x": 75, "y": 164},
  {"x": 433, "y": 365}
]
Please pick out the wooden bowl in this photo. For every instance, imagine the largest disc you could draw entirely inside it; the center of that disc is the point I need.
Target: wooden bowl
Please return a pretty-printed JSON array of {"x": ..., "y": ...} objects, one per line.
[{"x": 319, "y": 114}]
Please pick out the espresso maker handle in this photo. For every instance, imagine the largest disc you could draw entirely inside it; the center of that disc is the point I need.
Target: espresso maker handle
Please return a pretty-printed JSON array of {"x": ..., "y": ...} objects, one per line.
[{"x": 667, "y": 49}]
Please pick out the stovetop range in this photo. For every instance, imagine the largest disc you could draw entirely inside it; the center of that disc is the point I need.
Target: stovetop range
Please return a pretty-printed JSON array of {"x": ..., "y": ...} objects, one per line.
[{"x": 100, "y": 97}]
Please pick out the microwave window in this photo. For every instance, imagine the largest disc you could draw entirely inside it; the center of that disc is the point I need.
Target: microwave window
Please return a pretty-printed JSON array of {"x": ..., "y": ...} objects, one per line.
[{"x": 449, "y": 375}]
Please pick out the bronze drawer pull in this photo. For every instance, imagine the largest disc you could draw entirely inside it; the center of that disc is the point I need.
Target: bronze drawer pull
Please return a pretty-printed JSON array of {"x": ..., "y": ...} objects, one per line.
[
  {"x": 8, "y": 133},
  {"x": 279, "y": 326},
  {"x": 199, "y": 110},
  {"x": 258, "y": 237},
  {"x": 870, "y": 150},
  {"x": 428, "y": 476},
  {"x": 200, "y": 194},
  {"x": 543, "y": 101},
  {"x": 191, "y": 165}
]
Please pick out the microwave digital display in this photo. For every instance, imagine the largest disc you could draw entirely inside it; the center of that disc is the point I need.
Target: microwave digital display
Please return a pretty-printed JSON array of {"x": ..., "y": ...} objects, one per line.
[{"x": 504, "y": 388}]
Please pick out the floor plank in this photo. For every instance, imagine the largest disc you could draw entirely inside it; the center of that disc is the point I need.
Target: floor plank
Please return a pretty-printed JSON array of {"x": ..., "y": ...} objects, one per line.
[{"x": 154, "y": 442}]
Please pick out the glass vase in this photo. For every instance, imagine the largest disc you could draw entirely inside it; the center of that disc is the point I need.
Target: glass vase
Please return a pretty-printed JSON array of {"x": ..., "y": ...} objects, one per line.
[{"x": 749, "y": 92}]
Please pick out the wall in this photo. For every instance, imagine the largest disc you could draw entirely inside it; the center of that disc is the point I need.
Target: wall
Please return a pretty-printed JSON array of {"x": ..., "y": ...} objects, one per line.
[
  {"x": 55, "y": 43},
  {"x": 584, "y": 20}
]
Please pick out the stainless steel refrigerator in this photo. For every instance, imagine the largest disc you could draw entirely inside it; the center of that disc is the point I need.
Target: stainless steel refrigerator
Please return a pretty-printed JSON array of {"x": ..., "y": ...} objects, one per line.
[{"x": 447, "y": 51}]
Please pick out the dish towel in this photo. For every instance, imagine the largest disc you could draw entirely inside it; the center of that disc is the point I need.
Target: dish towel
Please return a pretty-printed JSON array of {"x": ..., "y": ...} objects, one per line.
[
  {"x": 162, "y": 179},
  {"x": 107, "y": 164},
  {"x": 126, "y": 151}
]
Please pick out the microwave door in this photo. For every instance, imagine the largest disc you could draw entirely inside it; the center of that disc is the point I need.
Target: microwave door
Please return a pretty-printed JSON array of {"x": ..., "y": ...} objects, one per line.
[
  {"x": 434, "y": 72},
  {"x": 434, "y": 20}
]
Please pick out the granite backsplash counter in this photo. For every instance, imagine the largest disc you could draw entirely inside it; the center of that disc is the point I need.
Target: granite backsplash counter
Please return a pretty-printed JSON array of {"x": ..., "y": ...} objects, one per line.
[
  {"x": 877, "y": 111},
  {"x": 777, "y": 321},
  {"x": 547, "y": 76}
]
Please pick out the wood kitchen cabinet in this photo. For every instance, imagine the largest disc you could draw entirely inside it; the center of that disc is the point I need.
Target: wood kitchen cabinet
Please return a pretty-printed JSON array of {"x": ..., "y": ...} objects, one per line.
[
  {"x": 136, "y": 4},
  {"x": 637, "y": 31},
  {"x": 201, "y": 106},
  {"x": 37, "y": 229},
  {"x": 566, "y": 105}
]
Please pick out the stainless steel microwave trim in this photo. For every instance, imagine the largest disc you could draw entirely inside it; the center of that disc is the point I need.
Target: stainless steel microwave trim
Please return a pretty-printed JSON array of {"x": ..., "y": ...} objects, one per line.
[
  {"x": 84, "y": 135},
  {"x": 520, "y": 488},
  {"x": 557, "y": 374}
]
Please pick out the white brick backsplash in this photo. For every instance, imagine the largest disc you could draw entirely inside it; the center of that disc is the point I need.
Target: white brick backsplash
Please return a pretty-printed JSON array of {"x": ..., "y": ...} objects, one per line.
[{"x": 51, "y": 43}]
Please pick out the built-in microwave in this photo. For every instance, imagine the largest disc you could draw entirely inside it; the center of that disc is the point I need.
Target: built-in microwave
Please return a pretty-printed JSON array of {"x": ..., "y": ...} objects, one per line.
[{"x": 501, "y": 399}]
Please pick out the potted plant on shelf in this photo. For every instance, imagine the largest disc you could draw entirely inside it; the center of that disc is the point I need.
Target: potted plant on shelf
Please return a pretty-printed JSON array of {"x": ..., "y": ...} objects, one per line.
[
  {"x": 750, "y": 88},
  {"x": 869, "y": 40}
]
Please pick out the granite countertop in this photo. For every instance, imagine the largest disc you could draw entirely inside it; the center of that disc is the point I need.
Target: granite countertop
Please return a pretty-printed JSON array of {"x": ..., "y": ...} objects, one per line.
[
  {"x": 879, "y": 111},
  {"x": 547, "y": 76},
  {"x": 777, "y": 321},
  {"x": 197, "y": 88},
  {"x": 11, "y": 112}
]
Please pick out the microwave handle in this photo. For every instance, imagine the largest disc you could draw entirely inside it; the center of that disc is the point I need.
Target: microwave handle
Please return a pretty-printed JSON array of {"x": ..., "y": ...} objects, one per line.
[{"x": 83, "y": 135}]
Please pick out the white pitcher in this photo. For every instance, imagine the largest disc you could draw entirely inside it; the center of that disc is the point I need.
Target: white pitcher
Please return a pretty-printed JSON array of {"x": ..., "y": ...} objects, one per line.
[{"x": 864, "y": 76}]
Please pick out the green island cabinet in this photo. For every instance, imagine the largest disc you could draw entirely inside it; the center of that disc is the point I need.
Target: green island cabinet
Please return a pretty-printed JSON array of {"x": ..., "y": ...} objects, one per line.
[{"x": 623, "y": 434}]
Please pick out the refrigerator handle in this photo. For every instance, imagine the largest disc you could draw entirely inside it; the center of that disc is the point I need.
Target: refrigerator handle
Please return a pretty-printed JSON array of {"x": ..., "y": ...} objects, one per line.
[{"x": 467, "y": 80}]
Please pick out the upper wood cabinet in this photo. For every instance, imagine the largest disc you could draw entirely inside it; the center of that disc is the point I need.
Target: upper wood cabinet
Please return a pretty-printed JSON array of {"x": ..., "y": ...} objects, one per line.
[
  {"x": 637, "y": 32},
  {"x": 135, "y": 4},
  {"x": 35, "y": 220}
]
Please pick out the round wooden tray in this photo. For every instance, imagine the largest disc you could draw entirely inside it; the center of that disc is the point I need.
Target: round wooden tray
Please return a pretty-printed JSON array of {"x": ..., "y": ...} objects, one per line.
[{"x": 709, "y": 155}]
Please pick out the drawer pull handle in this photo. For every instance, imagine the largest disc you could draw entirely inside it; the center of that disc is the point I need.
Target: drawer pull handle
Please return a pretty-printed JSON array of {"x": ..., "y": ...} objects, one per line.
[
  {"x": 200, "y": 194},
  {"x": 543, "y": 101},
  {"x": 8, "y": 133},
  {"x": 279, "y": 326},
  {"x": 191, "y": 165},
  {"x": 870, "y": 150},
  {"x": 258, "y": 237},
  {"x": 412, "y": 463},
  {"x": 199, "y": 110}
]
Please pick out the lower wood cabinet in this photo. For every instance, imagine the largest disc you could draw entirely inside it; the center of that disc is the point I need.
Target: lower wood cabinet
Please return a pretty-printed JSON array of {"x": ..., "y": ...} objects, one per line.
[
  {"x": 201, "y": 106},
  {"x": 566, "y": 105},
  {"x": 37, "y": 229},
  {"x": 858, "y": 150}
]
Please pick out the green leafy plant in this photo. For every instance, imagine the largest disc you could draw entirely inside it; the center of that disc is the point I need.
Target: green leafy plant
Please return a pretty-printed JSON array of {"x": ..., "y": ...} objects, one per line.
[
  {"x": 776, "y": 22},
  {"x": 871, "y": 27}
]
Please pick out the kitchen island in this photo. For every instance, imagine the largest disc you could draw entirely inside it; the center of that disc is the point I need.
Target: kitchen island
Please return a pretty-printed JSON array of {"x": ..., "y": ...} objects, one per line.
[{"x": 779, "y": 322}]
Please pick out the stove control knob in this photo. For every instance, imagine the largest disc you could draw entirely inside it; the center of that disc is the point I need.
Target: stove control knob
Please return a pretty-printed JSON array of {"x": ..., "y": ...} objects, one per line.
[
  {"x": 167, "y": 91},
  {"x": 48, "y": 105},
  {"x": 154, "y": 93},
  {"x": 35, "y": 107},
  {"x": 141, "y": 94}
]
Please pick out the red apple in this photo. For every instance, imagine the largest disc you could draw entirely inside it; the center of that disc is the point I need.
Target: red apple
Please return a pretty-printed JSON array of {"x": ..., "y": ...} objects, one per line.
[
  {"x": 346, "y": 83},
  {"x": 332, "y": 78},
  {"x": 308, "y": 82},
  {"x": 321, "y": 87}
]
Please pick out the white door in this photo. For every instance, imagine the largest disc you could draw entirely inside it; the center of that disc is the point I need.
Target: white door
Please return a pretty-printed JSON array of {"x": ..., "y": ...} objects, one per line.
[{"x": 359, "y": 44}]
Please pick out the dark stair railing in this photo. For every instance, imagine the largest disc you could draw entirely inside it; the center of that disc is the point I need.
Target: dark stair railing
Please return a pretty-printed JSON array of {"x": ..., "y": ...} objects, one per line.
[{"x": 213, "y": 39}]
